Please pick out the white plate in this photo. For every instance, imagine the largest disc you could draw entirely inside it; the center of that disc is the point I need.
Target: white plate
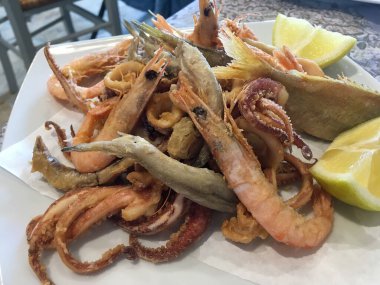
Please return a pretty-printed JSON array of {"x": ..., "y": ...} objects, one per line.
[{"x": 19, "y": 203}]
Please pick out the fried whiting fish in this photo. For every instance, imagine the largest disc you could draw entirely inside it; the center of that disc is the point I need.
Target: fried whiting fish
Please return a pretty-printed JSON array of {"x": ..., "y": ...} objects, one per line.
[{"x": 200, "y": 185}]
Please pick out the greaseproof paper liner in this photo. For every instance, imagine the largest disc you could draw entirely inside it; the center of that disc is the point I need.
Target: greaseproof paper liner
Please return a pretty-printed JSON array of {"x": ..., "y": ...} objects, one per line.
[{"x": 17, "y": 158}]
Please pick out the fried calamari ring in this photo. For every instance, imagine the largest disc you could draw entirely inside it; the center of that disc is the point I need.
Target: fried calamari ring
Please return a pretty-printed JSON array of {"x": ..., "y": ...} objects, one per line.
[
  {"x": 123, "y": 76},
  {"x": 133, "y": 201},
  {"x": 166, "y": 216},
  {"x": 194, "y": 226},
  {"x": 162, "y": 114}
]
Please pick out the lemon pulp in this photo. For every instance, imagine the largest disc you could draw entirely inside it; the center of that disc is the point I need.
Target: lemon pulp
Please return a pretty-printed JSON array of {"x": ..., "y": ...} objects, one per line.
[
  {"x": 350, "y": 167},
  {"x": 315, "y": 43}
]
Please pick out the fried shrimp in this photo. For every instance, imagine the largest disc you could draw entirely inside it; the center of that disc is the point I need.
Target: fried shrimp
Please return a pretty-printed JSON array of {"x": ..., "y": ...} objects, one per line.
[
  {"x": 84, "y": 67},
  {"x": 124, "y": 115},
  {"x": 244, "y": 175},
  {"x": 123, "y": 76},
  {"x": 205, "y": 33}
]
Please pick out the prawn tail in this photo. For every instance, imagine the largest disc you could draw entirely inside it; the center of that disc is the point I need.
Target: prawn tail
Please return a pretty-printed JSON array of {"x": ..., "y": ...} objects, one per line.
[{"x": 247, "y": 62}]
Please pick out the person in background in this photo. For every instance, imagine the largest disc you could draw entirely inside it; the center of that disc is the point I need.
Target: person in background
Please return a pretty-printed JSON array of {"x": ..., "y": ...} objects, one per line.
[{"x": 165, "y": 8}]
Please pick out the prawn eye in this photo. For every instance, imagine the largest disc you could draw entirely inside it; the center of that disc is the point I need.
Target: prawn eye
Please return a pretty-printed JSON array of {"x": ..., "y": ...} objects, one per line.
[
  {"x": 150, "y": 74},
  {"x": 200, "y": 112},
  {"x": 207, "y": 10}
]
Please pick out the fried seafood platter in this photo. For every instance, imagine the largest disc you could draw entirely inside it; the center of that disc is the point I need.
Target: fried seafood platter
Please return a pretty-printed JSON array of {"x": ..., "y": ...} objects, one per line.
[{"x": 180, "y": 129}]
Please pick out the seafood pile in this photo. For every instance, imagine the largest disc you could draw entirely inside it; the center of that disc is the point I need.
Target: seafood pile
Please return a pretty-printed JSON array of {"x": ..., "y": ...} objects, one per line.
[{"x": 179, "y": 125}]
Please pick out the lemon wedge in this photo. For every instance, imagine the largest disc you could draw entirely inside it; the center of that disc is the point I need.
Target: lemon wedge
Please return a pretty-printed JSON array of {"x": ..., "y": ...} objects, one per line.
[
  {"x": 315, "y": 43},
  {"x": 349, "y": 169},
  {"x": 293, "y": 32}
]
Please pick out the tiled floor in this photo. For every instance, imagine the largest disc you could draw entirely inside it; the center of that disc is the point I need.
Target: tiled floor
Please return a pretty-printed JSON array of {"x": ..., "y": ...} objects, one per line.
[{"x": 7, "y": 99}]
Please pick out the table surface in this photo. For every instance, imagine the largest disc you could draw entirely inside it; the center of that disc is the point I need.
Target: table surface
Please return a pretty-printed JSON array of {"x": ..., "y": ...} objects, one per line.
[{"x": 357, "y": 19}]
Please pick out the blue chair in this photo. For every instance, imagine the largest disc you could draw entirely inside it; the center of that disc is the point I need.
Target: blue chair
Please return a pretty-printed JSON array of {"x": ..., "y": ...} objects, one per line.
[
  {"x": 8, "y": 69},
  {"x": 18, "y": 12}
]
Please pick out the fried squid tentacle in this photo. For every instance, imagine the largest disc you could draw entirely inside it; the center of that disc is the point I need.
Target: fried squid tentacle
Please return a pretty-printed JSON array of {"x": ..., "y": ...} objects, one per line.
[
  {"x": 40, "y": 234},
  {"x": 76, "y": 212},
  {"x": 116, "y": 197},
  {"x": 194, "y": 226},
  {"x": 61, "y": 134},
  {"x": 129, "y": 199},
  {"x": 158, "y": 222},
  {"x": 259, "y": 106}
]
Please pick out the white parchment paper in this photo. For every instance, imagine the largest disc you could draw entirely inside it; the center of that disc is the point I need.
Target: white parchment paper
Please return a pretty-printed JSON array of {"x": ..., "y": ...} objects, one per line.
[
  {"x": 351, "y": 254},
  {"x": 17, "y": 158}
]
